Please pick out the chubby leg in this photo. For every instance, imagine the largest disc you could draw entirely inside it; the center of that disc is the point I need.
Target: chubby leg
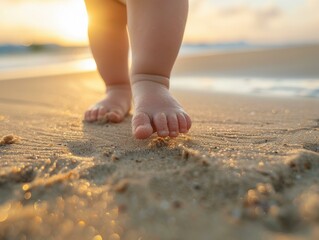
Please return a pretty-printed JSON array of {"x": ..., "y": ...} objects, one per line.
[
  {"x": 109, "y": 45},
  {"x": 156, "y": 29}
]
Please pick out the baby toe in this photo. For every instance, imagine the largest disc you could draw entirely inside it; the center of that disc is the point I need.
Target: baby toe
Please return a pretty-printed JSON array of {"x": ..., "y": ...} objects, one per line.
[
  {"x": 93, "y": 115},
  {"x": 172, "y": 123},
  {"x": 182, "y": 123},
  {"x": 141, "y": 125},
  {"x": 188, "y": 121},
  {"x": 101, "y": 113},
  {"x": 115, "y": 116},
  {"x": 87, "y": 115},
  {"x": 160, "y": 123}
]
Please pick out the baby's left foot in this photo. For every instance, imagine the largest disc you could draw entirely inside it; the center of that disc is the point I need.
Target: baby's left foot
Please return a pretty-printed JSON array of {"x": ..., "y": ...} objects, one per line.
[
  {"x": 156, "y": 110},
  {"x": 113, "y": 108}
]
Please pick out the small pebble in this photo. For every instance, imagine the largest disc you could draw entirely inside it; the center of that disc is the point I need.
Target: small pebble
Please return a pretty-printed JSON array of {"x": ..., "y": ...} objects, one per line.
[
  {"x": 176, "y": 204},
  {"x": 122, "y": 186},
  {"x": 9, "y": 139},
  {"x": 115, "y": 157}
]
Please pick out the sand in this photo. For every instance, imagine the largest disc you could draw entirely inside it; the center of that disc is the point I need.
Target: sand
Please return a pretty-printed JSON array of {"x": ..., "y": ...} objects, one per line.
[{"x": 247, "y": 170}]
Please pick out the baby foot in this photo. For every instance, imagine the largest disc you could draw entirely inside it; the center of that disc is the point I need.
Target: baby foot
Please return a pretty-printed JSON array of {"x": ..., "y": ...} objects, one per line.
[
  {"x": 113, "y": 108},
  {"x": 155, "y": 109}
]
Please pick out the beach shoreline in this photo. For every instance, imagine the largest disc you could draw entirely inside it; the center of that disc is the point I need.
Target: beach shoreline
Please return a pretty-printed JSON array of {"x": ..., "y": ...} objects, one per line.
[
  {"x": 274, "y": 72},
  {"x": 292, "y": 62}
]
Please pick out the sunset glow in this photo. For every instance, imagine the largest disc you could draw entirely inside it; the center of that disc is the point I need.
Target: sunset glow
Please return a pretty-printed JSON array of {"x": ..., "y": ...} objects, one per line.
[
  {"x": 72, "y": 25},
  {"x": 262, "y": 21},
  {"x": 61, "y": 22}
]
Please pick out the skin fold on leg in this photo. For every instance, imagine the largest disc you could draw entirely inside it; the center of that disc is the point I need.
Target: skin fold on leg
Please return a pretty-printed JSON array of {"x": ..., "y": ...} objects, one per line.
[
  {"x": 109, "y": 45},
  {"x": 156, "y": 29}
]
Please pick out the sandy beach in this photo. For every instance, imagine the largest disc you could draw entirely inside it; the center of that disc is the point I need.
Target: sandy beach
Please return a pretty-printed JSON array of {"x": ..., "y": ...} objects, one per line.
[{"x": 248, "y": 169}]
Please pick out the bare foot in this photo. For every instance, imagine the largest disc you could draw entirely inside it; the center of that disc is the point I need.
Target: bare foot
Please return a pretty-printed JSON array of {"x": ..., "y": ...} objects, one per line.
[
  {"x": 156, "y": 110},
  {"x": 113, "y": 108}
]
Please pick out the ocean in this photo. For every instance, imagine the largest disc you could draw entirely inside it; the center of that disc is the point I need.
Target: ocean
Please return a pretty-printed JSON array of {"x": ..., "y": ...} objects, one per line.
[{"x": 46, "y": 60}]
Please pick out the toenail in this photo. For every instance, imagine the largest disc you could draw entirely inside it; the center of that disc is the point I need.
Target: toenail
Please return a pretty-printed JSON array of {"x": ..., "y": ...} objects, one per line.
[
  {"x": 173, "y": 133},
  {"x": 163, "y": 133}
]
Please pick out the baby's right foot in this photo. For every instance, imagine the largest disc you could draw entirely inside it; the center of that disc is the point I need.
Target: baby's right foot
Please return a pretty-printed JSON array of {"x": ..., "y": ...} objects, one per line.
[
  {"x": 114, "y": 107},
  {"x": 156, "y": 110}
]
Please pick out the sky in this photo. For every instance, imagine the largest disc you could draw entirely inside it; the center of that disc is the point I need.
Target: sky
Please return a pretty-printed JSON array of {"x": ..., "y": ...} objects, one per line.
[{"x": 210, "y": 21}]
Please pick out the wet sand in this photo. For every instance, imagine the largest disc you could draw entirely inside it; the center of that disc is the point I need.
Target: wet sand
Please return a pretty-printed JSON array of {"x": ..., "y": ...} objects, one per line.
[{"x": 247, "y": 170}]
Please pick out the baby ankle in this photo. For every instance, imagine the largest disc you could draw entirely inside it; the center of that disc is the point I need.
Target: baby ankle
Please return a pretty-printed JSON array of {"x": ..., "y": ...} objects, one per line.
[
  {"x": 150, "y": 78},
  {"x": 124, "y": 87}
]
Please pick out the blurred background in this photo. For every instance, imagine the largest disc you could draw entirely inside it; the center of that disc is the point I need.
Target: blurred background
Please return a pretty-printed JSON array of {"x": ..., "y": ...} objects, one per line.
[{"x": 50, "y": 36}]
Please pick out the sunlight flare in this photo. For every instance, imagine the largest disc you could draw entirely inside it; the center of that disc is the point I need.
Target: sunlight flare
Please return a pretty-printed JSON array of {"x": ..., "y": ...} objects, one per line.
[{"x": 72, "y": 25}]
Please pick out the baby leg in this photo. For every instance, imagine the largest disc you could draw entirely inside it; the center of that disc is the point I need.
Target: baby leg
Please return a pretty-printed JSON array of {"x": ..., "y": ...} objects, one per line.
[
  {"x": 109, "y": 45},
  {"x": 156, "y": 29}
]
